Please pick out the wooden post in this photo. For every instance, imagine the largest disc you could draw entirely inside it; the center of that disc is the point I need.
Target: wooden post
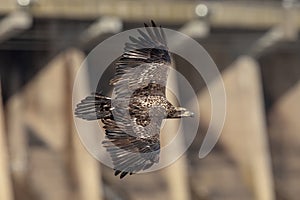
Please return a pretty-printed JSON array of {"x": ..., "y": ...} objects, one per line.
[
  {"x": 6, "y": 190},
  {"x": 177, "y": 173},
  {"x": 46, "y": 117},
  {"x": 13, "y": 24},
  {"x": 284, "y": 126},
  {"x": 46, "y": 104},
  {"x": 86, "y": 167},
  {"x": 17, "y": 143},
  {"x": 244, "y": 134},
  {"x": 46, "y": 97},
  {"x": 49, "y": 115}
]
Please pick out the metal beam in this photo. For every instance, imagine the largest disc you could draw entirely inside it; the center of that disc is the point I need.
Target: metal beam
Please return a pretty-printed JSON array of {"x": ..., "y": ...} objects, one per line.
[
  {"x": 13, "y": 24},
  {"x": 6, "y": 186},
  {"x": 7, "y": 6},
  {"x": 286, "y": 30},
  {"x": 102, "y": 26},
  {"x": 249, "y": 15}
]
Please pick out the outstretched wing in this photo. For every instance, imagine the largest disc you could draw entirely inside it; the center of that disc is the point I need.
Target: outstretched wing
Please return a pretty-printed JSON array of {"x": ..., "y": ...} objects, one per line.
[
  {"x": 132, "y": 147},
  {"x": 145, "y": 60}
]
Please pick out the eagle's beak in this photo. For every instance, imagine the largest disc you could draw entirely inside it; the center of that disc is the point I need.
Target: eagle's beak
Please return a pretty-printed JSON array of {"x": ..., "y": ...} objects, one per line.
[{"x": 184, "y": 112}]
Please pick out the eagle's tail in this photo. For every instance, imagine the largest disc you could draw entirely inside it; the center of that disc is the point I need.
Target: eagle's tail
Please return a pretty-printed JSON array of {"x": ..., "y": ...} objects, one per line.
[{"x": 93, "y": 107}]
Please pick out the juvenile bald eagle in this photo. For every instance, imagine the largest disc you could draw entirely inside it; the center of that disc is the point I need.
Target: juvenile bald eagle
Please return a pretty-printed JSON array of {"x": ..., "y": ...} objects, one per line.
[{"x": 132, "y": 118}]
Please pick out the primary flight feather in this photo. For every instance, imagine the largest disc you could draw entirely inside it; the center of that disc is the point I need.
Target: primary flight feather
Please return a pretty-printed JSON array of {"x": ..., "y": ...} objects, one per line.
[{"x": 132, "y": 118}]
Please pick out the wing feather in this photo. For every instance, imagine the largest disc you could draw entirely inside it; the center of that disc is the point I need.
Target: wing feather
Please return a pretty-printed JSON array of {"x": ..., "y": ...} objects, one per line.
[
  {"x": 95, "y": 106},
  {"x": 132, "y": 147},
  {"x": 145, "y": 60}
]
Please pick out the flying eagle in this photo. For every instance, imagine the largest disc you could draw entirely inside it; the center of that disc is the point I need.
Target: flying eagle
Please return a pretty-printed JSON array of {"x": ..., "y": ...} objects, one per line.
[{"x": 132, "y": 118}]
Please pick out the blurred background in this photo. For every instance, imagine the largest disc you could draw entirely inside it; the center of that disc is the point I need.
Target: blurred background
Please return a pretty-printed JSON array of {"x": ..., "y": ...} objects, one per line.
[{"x": 255, "y": 45}]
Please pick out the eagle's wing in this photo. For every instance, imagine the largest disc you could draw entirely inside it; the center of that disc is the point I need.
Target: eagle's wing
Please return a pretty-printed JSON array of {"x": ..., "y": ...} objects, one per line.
[
  {"x": 132, "y": 147},
  {"x": 146, "y": 60}
]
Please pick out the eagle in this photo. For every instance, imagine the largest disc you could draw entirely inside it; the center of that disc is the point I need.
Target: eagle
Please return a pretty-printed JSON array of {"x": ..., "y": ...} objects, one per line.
[{"x": 133, "y": 115}]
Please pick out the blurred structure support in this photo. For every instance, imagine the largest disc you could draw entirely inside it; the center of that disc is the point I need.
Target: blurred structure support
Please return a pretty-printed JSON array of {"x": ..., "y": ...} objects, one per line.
[
  {"x": 267, "y": 41},
  {"x": 177, "y": 173},
  {"x": 87, "y": 171},
  {"x": 6, "y": 190},
  {"x": 49, "y": 117},
  {"x": 47, "y": 120},
  {"x": 244, "y": 133},
  {"x": 196, "y": 28},
  {"x": 17, "y": 143},
  {"x": 102, "y": 26},
  {"x": 87, "y": 168},
  {"x": 291, "y": 20},
  {"x": 286, "y": 30},
  {"x": 46, "y": 111},
  {"x": 7, "y": 6},
  {"x": 285, "y": 126},
  {"x": 14, "y": 23},
  {"x": 248, "y": 15}
]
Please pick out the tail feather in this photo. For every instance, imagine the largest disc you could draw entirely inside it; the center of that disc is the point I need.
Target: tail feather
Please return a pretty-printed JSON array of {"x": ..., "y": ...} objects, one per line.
[{"x": 93, "y": 107}]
